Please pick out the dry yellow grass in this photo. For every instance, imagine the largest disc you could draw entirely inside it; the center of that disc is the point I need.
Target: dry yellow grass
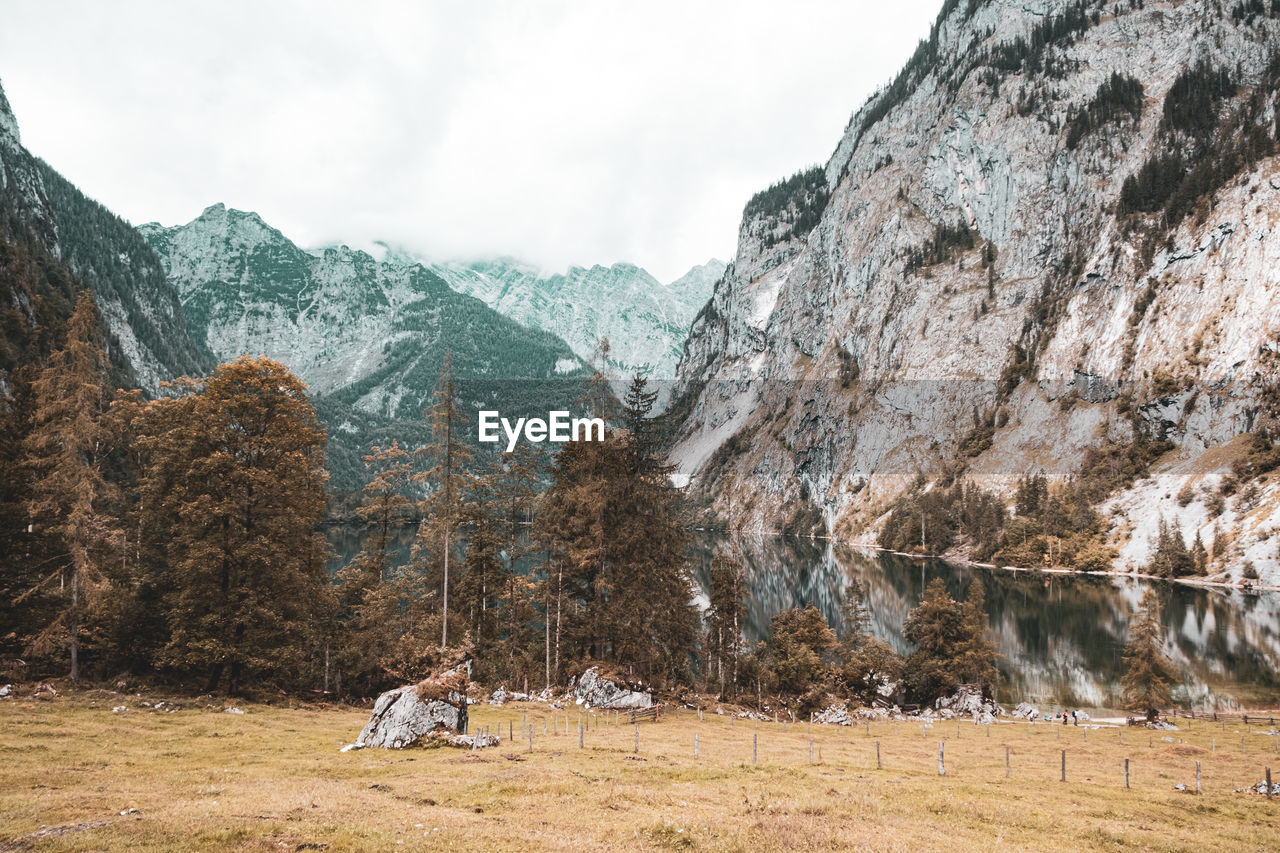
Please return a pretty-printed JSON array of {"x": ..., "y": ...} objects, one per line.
[{"x": 273, "y": 779}]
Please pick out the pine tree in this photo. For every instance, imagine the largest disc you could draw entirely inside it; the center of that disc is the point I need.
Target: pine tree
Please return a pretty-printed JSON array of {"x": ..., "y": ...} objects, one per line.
[
  {"x": 951, "y": 644},
  {"x": 975, "y": 654},
  {"x": 1170, "y": 557},
  {"x": 619, "y": 555},
  {"x": 236, "y": 479},
  {"x": 1148, "y": 672},
  {"x": 867, "y": 662},
  {"x": 1199, "y": 555},
  {"x": 65, "y": 449},
  {"x": 799, "y": 639},
  {"x": 449, "y": 453},
  {"x": 728, "y": 609},
  {"x": 368, "y": 616},
  {"x": 516, "y": 478}
]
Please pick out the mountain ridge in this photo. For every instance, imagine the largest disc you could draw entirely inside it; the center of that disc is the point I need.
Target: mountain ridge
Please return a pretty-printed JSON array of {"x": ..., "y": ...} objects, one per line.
[
  {"x": 960, "y": 292},
  {"x": 368, "y": 337}
]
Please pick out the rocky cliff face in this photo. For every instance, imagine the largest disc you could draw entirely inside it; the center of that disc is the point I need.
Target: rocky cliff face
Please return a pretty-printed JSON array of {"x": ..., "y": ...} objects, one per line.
[
  {"x": 645, "y": 320},
  {"x": 367, "y": 337},
  {"x": 58, "y": 241},
  {"x": 969, "y": 285}
]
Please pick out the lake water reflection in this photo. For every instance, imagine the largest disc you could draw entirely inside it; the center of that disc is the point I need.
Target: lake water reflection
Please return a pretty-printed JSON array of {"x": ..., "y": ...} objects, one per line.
[{"x": 1061, "y": 635}]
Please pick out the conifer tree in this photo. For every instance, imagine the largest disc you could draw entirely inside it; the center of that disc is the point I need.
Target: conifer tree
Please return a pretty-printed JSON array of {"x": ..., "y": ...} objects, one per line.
[
  {"x": 799, "y": 639},
  {"x": 515, "y": 487},
  {"x": 728, "y": 609},
  {"x": 65, "y": 449},
  {"x": 449, "y": 455},
  {"x": 236, "y": 476},
  {"x": 950, "y": 641},
  {"x": 1148, "y": 672},
  {"x": 867, "y": 663},
  {"x": 975, "y": 653},
  {"x": 618, "y": 548},
  {"x": 369, "y": 616}
]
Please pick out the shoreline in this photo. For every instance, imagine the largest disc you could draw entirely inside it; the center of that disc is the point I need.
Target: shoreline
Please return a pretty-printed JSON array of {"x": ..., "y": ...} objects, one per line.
[{"x": 1203, "y": 583}]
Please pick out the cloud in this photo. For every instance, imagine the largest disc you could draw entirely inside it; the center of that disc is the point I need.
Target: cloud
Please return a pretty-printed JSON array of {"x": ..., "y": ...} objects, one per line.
[{"x": 560, "y": 132}]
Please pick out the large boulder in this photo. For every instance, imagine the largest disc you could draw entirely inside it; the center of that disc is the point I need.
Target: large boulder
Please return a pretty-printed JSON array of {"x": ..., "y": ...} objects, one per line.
[
  {"x": 411, "y": 714},
  {"x": 596, "y": 690},
  {"x": 969, "y": 700}
]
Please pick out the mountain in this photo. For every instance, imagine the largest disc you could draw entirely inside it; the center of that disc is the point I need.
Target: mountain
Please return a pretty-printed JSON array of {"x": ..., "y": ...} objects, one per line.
[
  {"x": 645, "y": 320},
  {"x": 53, "y": 242},
  {"x": 1047, "y": 246},
  {"x": 367, "y": 337}
]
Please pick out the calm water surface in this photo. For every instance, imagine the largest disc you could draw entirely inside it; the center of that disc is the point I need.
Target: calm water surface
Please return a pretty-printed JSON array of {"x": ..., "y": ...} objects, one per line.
[{"x": 1061, "y": 636}]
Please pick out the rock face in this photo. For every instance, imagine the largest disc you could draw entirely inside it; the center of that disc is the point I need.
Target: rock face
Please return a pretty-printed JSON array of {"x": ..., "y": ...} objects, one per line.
[
  {"x": 965, "y": 266},
  {"x": 599, "y": 691},
  {"x": 645, "y": 320},
  {"x": 72, "y": 242},
  {"x": 367, "y": 337},
  {"x": 405, "y": 716}
]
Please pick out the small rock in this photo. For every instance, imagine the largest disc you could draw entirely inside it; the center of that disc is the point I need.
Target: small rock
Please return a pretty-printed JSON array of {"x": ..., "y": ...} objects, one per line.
[
  {"x": 479, "y": 741},
  {"x": 7, "y": 690},
  {"x": 119, "y": 709},
  {"x": 498, "y": 697},
  {"x": 835, "y": 715},
  {"x": 233, "y": 710}
]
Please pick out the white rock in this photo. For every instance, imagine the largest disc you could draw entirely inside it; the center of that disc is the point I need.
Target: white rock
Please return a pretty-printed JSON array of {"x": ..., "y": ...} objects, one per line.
[{"x": 603, "y": 692}]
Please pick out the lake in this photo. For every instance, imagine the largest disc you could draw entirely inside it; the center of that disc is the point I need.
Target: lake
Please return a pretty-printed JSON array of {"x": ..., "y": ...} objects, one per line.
[{"x": 1061, "y": 635}]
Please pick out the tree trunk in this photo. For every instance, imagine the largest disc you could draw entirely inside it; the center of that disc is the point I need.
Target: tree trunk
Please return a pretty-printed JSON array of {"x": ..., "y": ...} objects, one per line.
[
  {"x": 215, "y": 675},
  {"x": 559, "y": 597},
  {"x": 74, "y": 620}
]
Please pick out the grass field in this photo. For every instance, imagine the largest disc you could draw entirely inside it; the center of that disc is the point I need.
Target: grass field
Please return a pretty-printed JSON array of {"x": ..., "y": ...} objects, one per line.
[{"x": 273, "y": 779}]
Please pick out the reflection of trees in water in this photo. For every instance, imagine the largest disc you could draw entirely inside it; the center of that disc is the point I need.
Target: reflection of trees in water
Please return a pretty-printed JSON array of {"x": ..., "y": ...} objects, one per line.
[
  {"x": 1061, "y": 635},
  {"x": 782, "y": 572}
]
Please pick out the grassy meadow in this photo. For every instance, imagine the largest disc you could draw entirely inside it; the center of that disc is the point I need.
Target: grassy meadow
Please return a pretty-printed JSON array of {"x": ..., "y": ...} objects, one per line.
[{"x": 273, "y": 779}]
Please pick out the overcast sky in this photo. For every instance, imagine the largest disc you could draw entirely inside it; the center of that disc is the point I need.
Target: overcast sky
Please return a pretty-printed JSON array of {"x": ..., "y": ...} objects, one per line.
[{"x": 557, "y": 132}]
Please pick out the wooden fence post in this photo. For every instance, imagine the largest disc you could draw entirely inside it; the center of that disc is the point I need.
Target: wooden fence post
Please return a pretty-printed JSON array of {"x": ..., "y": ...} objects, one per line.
[
  {"x": 755, "y": 737},
  {"x": 811, "y": 751},
  {"x": 1006, "y": 761},
  {"x": 1126, "y": 773},
  {"x": 695, "y": 744},
  {"x": 1197, "y": 777},
  {"x": 877, "y": 755},
  {"x": 1268, "y": 783},
  {"x": 1064, "y": 765},
  {"x": 942, "y": 768},
  {"x": 530, "y": 738},
  {"x": 637, "y": 747}
]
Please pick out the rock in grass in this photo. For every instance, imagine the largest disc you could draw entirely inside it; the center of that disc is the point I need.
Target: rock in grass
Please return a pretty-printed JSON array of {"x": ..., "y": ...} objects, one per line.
[
  {"x": 408, "y": 715},
  {"x": 969, "y": 700},
  {"x": 597, "y": 690}
]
